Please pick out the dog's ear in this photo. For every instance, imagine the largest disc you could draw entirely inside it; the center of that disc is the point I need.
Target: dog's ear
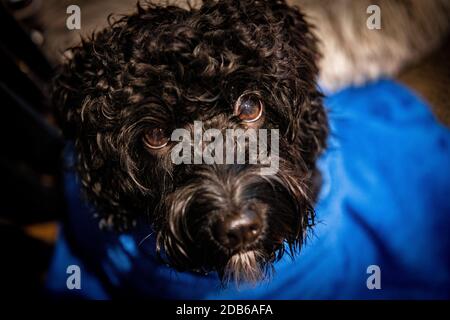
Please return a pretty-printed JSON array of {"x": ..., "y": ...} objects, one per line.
[
  {"x": 79, "y": 84},
  {"x": 68, "y": 93},
  {"x": 307, "y": 117},
  {"x": 84, "y": 95}
]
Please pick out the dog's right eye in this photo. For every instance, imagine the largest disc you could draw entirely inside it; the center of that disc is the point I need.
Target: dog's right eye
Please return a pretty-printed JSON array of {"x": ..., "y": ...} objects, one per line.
[
  {"x": 249, "y": 107},
  {"x": 155, "y": 138}
]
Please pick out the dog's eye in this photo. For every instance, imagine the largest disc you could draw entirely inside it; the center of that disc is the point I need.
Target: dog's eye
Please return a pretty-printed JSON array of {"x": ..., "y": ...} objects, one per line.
[
  {"x": 248, "y": 107},
  {"x": 155, "y": 138}
]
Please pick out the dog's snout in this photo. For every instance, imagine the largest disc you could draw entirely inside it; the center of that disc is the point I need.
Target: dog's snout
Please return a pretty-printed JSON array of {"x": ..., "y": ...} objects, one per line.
[{"x": 237, "y": 231}]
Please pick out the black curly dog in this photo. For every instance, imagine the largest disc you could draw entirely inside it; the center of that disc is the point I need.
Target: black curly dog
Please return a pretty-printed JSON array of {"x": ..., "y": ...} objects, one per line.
[{"x": 229, "y": 64}]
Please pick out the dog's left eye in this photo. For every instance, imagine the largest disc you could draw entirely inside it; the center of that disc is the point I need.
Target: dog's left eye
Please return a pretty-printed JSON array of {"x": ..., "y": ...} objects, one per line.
[
  {"x": 249, "y": 107},
  {"x": 155, "y": 138}
]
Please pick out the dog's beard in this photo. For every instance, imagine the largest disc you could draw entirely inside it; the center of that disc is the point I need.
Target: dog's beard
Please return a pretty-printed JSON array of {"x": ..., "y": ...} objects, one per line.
[
  {"x": 283, "y": 200},
  {"x": 248, "y": 266}
]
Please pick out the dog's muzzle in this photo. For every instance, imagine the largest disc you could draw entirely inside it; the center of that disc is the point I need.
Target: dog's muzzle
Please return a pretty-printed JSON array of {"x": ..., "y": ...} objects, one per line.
[
  {"x": 238, "y": 230},
  {"x": 230, "y": 218}
]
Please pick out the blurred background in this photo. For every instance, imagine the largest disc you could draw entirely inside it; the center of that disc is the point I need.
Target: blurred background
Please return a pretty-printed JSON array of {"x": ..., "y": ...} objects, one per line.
[{"x": 33, "y": 36}]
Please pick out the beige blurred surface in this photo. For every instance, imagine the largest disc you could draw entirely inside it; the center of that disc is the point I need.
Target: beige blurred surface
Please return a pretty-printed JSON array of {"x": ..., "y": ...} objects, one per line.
[{"x": 430, "y": 78}]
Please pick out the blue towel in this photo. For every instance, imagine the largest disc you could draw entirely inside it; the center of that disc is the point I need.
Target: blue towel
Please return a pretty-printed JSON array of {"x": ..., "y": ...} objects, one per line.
[{"x": 385, "y": 201}]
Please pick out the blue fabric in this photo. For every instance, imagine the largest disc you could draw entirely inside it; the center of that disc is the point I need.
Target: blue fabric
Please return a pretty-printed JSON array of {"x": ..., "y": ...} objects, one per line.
[{"x": 385, "y": 201}]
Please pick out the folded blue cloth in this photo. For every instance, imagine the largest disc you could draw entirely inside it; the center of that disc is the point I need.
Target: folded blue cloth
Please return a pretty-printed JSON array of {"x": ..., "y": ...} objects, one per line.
[{"x": 385, "y": 201}]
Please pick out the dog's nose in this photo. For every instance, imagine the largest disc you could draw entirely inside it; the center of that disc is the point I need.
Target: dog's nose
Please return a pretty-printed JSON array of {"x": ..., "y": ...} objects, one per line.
[{"x": 239, "y": 230}]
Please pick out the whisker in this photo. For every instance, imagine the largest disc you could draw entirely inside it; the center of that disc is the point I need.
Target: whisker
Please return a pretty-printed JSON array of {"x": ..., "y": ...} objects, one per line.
[{"x": 145, "y": 238}]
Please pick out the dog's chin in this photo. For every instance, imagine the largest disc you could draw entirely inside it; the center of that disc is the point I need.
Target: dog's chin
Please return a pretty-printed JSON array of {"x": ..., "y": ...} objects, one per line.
[
  {"x": 250, "y": 266},
  {"x": 254, "y": 264},
  {"x": 245, "y": 267}
]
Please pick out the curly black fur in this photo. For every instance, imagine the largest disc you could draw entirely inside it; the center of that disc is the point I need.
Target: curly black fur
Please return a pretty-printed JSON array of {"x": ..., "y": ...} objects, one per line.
[{"x": 166, "y": 67}]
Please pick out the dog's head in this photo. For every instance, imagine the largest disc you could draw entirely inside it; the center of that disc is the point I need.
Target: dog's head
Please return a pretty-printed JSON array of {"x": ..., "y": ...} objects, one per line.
[{"x": 231, "y": 65}]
